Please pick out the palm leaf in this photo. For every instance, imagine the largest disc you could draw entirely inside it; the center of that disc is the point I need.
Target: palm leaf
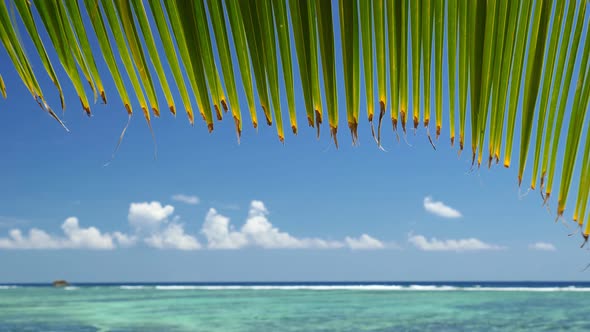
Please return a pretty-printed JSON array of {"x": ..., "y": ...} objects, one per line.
[
  {"x": 217, "y": 20},
  {"x": 533, "y": 76},
  {"x": 328, "y": 63},
  {"x": 255, "y": 45},
  {"x": 556, "y": 86},
  {"x": 439, "y": 32},
  {"x": 146, "y": 31},
  {"x": 98, "y": 25},
  {"x": 264, "y": 11},
  {"x": 241, "y": 48},
  {"x": 164, "y": 31},
  {"x": 282, "y": 26},
  {"x": 477, "y": 26},
  {"x": 426, "y": 40},
  {"x": 503, "y": 81},
  {"x": 562, "y": 103},
  {"x": 366, "y": 19},
  {"x": 516, "y": 76},
  {"x": 497, "y": 111},
  {"x": 380, "y": 49},
  {"x": 548, "y": 77},
  {"x": 54, "y": 24},
  {"x": 403, "y": 62},
  {"x": 184, "y": 28},
  {"x": 206, "y": 50},
  {"x": 301, "y": 26},
  {"x": 2, "y": 87},
  {"x": 395, "y": 53},
  {"x": 415, "y": 13},
  {"x": 73, "y": 11},
  {"x": 452, "y": 32},
  {"x": 463, "y": 69},
  {"x": 26, "y": 15},
  {"x": 574, "y": 133},
  {"x": 349, "y": 17}
]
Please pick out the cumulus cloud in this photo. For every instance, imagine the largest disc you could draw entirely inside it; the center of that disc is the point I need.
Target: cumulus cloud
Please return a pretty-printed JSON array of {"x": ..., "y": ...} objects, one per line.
[
  {"x": 74, "y": 237},
  {"x": 542, "y": 246},
  {"x": 173, "y": 237},
  {"x": 258, "y": 231},
  {"x": 220, "y": 234},
  {"x": 364, "y": 242},
  {"x": 460, "y": 245},
  {"x": 186, "y": 199},
  {"x": 150, "y": 215},
  {"x": 440, "y": 209}
]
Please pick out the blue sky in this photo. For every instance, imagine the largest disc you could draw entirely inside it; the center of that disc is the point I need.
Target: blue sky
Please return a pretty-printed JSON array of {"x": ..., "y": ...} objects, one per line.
[{"x": 297, "y": 211}]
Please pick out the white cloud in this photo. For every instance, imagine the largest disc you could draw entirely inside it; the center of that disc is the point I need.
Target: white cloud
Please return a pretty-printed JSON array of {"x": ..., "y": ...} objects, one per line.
[
  {"x": 220, "y": 234},
  {"x": 173, "y": 237},
  {"x": 470, "y": 244},
  {"x": 186, "y": 199},
  {"x": 86, "y": 237},
  {"x": 364, "y": 242},
  {"x": 146, "y": 215},
  {"x": 262, "y": 233},
  {"x": 542, "y": 246},
  {"x": 440, "y": 209},
  {"x": 74, "y": 237},
  {"x": 125, "y": 240},
  {"x": 156, "y": 226},
  {"x": 258, "y": 231}
]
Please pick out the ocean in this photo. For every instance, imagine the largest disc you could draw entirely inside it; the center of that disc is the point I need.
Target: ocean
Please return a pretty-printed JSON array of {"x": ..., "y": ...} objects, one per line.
[{"x": 302, "y": 306}]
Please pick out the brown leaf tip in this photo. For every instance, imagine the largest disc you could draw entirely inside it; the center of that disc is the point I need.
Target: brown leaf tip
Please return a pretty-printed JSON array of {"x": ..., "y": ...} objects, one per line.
[
  {"x": 333, "y": 133},
  {"x": 267, "y": 116},
  {"x": 172, "y": 109},
  {"x": 103, "y": 97},
  {"x": 156, "y": 112},
  {"x": 224, "y": 105},
  {"x": 238, "y": 126},
  {"x": 86, "y": 108},
  {"x": 218, "y": 113}
]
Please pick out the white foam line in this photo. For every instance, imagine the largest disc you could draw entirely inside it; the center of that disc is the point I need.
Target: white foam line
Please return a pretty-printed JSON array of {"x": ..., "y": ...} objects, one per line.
[
  {"x": 415, "y": 288},
  {"x": 132, "y": 287}
]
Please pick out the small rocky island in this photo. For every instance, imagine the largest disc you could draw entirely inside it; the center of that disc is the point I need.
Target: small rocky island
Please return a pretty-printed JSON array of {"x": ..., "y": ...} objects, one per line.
[{"x": 60, "y": 283}]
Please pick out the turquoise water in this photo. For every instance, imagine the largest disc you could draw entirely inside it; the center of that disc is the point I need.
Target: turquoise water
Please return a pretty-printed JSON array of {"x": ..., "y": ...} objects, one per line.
[{"x": 292, "y": 307}]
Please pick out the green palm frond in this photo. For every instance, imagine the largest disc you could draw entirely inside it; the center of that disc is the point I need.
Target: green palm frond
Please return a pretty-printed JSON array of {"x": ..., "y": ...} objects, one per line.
[{"x": 506, "y": 60}]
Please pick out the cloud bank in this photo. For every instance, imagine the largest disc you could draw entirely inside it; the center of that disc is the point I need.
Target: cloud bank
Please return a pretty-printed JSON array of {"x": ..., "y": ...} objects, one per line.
[{"x": 155, "y": 225}]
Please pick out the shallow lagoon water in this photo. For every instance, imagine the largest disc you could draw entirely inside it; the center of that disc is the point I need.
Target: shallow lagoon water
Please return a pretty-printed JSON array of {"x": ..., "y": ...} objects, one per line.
[{"x": 297, "y": 307}]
